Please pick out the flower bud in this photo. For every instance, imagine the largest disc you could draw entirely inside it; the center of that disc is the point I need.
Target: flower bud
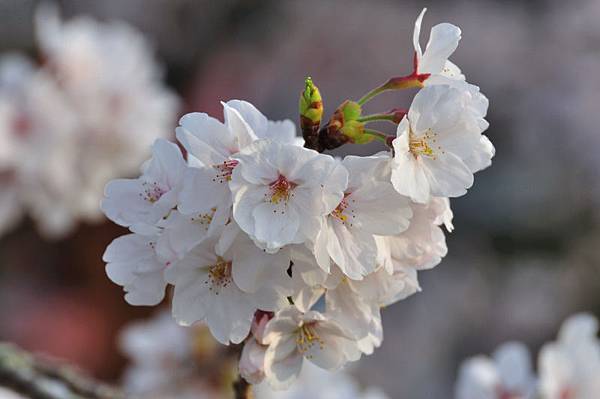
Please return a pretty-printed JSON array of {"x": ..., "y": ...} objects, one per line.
[
  {"x": 259, "y": 323},
  {"x": 311, "y": 104},
  {"x": 311, "y": 112},
  {"x": 345, "y": 123},
  {"x": 252, "y": 362}
]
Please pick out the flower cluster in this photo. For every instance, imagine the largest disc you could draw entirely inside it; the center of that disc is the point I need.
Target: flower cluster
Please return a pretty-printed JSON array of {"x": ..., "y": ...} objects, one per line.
[
  {"x": 170, "y": 361},
  {"x": 271, "y": 243},
  {"x": 568, "y": 368},
  {"x": 86, "y": 115}
]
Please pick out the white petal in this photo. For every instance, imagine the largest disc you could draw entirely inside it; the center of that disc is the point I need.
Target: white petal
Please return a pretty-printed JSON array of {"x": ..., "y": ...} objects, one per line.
[
  {"x": 236, "y": 124},
  {"x": 203, "y": 191},
  {"x": 417, "y": 34},
  {"x": 448, "y": 176},
  {"x": 276, "y": 225},
  {"x": 282, "y": 363},
  {"x": 252, "y": 116},
  {"x": 443, "y": 41},
  {"x": 409, "y": 178}
]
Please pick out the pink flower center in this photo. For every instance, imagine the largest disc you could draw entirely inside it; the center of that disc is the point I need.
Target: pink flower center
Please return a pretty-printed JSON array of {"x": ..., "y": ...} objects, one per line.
[
  {"x": 224, "y": 170},
  {"x": 152, "y": 192},
  {"x": 219, "y": 275},
  {"x": 281, "y": 190},
  {"x": 342, "y": 213}
]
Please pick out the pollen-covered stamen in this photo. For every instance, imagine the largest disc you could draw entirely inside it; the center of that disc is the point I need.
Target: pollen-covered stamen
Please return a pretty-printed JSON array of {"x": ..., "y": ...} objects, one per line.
[
  {"x": 224, "y": 170},
  {"x": 219, "y": 275},
  {"x": 425, "y": 144},
  {"x": 204, "y": 219},
  {"x": 307, "y": 338},
  {"x": 152, "y": 192},
  {"x": 281, "y": 190},
  {"x": 342, "y": 212}
]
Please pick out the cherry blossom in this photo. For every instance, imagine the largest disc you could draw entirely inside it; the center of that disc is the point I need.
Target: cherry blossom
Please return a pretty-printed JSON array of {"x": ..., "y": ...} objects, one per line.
[
  {"x": 507, "y": 374},
  {"x": 281, "y": 192},
  {"x": 141, "y": 203},
  {"x": 434, "y": 141},
  {"x": 292, "y": 336},
  {"x": 132, "y": 262},
  {"x": 369, "y": 207},
  {"x": 570, "y": 367},
  {"x": 443, "y": 41},
  {"x": 289, "y": 253}
]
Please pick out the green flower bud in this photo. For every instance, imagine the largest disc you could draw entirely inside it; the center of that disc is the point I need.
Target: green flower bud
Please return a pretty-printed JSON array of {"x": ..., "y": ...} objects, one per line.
[
  {"x": 346, "y": 120},
  {"x": 311, "y": 104},
  {"x": 311, "y": 112}
]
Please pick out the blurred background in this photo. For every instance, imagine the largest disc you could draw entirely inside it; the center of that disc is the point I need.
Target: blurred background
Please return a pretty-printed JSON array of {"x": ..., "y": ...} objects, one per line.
[{"x": 525, "y": 252}]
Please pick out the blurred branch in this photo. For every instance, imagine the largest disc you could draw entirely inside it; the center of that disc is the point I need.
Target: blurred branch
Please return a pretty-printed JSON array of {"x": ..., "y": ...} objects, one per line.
[
  {"x": 242, "y": 389},
  {"x": 39, "y": 378}
]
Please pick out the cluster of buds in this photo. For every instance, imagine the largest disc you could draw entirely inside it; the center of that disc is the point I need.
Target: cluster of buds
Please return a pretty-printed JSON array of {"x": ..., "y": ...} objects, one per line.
[{"x": 291, "y": 252}]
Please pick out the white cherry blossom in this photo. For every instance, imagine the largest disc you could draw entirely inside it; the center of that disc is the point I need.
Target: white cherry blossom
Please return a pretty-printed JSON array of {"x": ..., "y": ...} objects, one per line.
[
  {"x": 440, "y": 133},
  {"x": 290, "y": 252},
  {"x": 316, "y": 383},
  {"x": 132, "y": 262},
  {"x": 358, "y": 315},
  {"x": 141, "y": 203},
  {"x": 570, "y": 367},
  {"x": 423, "y": 244},
  {"x": 443, "y": 41},
  {"x": 211, "y": 145},
  {"x": 157, "y": 349},
  {"x": 206, "y": 289},
  {"x": 370, "y": 207},
  {"x": 507, "y": 374},
  {"x": 282, "y": 191},
  {"x": 293, "y": 336},
  {"x": 252, "y": 361},
  {"x": 113, "y": 85}
]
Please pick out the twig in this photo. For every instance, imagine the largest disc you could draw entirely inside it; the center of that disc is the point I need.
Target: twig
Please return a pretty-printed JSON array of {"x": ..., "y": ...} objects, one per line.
[
  {"x": 37, "y": 378},
  {"x": 242, "y": 389}
]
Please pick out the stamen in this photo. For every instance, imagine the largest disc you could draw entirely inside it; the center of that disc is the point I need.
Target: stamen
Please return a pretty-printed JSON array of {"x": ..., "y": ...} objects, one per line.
[
  {"x": 219, "y": 275},
  {"x": 281, "y": 190},
  {"x": 342, "y": 212},
  {"x": 307, "y": 338},
  {"x": 152, "y": 192},
  {"x": 224, "y": 170},
  {"x": 204, "y": 219},
  {"x": 424, "y": 144}
]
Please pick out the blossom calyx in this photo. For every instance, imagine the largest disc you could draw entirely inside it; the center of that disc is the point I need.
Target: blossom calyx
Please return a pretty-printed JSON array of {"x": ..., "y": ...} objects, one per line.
[{"x": 345, "y": 124}]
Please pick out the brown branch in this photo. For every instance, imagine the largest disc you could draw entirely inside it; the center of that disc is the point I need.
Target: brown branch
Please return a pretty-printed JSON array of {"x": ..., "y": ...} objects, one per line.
[
  {"x": 39, "y": 378},
  {"x": 242, "y": 389}
]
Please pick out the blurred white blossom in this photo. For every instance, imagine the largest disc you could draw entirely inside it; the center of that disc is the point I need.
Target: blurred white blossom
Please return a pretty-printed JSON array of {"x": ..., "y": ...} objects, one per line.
[
  {"x": 86, "y": 115},
  {"x": 568, "y": 368}
]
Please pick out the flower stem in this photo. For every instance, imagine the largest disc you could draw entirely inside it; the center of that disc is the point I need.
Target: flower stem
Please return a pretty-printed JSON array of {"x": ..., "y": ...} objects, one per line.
[
  {"x": 242, "y": 389},
  {"x": 377, "y": 117},
  {"x": 414, "y": 80},
  {"x": 378, "y": 135},
  {"x": 372, "y": 94}
]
